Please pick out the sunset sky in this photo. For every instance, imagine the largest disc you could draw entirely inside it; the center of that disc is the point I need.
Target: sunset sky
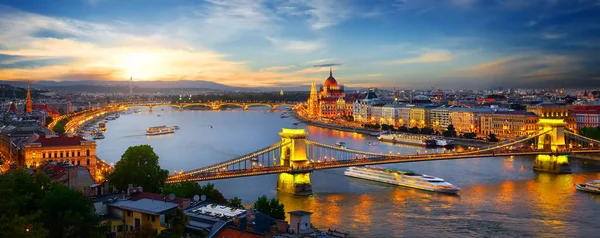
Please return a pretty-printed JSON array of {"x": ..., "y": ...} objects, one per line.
[{"x": 385, "y": 43}]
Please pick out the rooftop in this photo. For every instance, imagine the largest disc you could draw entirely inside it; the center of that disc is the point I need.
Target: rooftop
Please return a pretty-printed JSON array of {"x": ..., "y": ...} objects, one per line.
[
  {"x": 145, "y": 205},
  {"x": 300, "y": 213},
  {"x": 61, "y": 140}
]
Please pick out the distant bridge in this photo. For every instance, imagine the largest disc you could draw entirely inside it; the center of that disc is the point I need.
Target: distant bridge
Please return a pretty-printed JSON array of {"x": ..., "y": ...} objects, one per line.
[{"x": 214, "y": 105}]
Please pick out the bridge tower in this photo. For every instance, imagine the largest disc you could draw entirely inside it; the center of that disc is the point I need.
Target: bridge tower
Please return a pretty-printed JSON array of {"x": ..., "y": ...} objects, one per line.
[
  {"x": 555, "y": 141},
  {"x": 293, "y": 154}
]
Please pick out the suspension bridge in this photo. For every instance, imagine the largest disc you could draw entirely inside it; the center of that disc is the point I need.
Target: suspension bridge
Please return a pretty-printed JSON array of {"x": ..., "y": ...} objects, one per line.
[
  {"x": 213, "y": 105},
  {"x": 294, "y": 158}
]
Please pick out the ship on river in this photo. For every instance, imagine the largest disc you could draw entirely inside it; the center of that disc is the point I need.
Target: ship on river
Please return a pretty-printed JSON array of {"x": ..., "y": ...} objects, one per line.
[{"x": 160, "y": 130}]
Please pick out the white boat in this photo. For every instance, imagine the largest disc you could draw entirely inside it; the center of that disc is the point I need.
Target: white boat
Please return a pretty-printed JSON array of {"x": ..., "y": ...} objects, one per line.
[
  {"x": 98, "y": 136},
  {"x": 402, "y": 178},
  {"x": 406, "y": 139},
  {"x": 110, "y": 118},
  {"x": 443, "y": 142},
  {"x": 592, "y": 187},
  {"x": 159, "y": 130},
  {"x": 341, "y": 144}
]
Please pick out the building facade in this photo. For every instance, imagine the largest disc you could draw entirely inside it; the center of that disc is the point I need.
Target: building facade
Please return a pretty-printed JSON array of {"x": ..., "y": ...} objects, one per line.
[
  {"x": 586, "y": 116},
  {"x": 62, "y": 148},
  {"x": 440, "y": 118},
  {"x": 508, "y": 124},
  {"x": 554, "y": 111},
  {"x": 467, "y": 120}
]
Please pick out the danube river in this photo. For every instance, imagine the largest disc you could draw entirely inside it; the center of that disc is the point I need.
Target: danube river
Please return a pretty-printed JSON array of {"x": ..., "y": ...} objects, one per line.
[{"x": 500, "y": 196}]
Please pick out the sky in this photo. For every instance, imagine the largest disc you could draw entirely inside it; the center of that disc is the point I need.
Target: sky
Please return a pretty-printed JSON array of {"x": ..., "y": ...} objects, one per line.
[{"x": 284, "y": 43}]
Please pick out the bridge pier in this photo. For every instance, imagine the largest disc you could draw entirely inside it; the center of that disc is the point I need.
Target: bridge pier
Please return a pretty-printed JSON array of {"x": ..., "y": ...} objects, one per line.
[
  {"x": 293, "y": 154},
  {"x": 552, "y": 163},
  {"x": 555, "y": 141}
]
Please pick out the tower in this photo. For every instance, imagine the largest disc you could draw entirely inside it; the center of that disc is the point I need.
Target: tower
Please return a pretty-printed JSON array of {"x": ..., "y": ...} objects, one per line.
[
  {"x": 28, "y": 103},
  {"x": 130, "y": 86},
  {"x": 313, "y": 101}
]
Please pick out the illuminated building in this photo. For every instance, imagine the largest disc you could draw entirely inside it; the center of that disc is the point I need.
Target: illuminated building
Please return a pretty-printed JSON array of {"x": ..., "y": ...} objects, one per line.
[
  {"x": 467, "y": 120},
  {"x": 552, "y": 110},
  {"x": 28, "y": 103},
  {"x": 62, "y": 148},
  {"x": 587, "y": 116},
  {"x": 420, "y": 115},
  {"x": 508, "y": 124},
  {"x": 362, "y": 108},
  {"x": 439, "y": 118},
  {"x": 329, "y": 101}
]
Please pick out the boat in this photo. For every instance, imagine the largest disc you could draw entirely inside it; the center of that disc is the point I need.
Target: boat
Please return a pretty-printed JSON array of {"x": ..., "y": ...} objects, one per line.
[
  {"x": 444, "y": 142},
  {"x": 117, "y": 115},
  {"x": 592, "y": 187},
  {"x": 409, "y": 140},
  {"x": 102, "y": 125},
  {"x": 284, "y": 115},
  {"x": 176, "y": 127},
  {"x": 402, "y": 178},
  {"x": 341, "y": 144},
  {"x": 296, "y": 123},
  {"x": 158, "y": 115},
  {"x": 370, "y": 143},
  {"x": 98, "y": 136},
  {"x": 110, "y": 118},
  {"x": 159, "y": 130}
]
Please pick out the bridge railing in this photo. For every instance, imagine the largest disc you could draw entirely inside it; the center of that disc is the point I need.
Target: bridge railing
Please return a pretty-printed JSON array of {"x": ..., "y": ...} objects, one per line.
[{"x": 583, "y": 138}]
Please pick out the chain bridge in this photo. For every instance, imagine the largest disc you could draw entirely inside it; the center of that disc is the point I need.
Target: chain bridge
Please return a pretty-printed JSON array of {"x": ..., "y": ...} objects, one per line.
[{"x": 294, "y": 158}]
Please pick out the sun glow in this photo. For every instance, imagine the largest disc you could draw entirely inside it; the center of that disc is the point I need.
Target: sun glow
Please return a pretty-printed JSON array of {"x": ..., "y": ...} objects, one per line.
[{"x": 141, "y": 65}]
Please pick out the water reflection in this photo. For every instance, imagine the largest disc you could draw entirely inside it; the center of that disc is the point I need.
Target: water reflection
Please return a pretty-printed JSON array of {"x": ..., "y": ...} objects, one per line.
[{"x": 500, "y": 196}]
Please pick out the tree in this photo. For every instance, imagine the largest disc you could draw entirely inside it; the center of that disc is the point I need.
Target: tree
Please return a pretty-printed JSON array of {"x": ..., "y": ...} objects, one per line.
[
  {"x": 591, "y": 132},
  {"x": 59, "y": 127},
  {"x": 177, "y": 221},
  {"x": 427, "y": 131},
  {"x": 414, "y": 130},
  {"x": 66, "y": 213},
  {"x": 270, "y": 207},
  {"x": 49, "y": 120},
  {"x": 403, "y": 129},
  {"x": 188, "y": 189},
  {"x": 235, "y": 202},
  {"x": 492, "y": 138},
  {"x": 450, "y": 131},
  {"x": 385, "y": 127},
  {"x": 139, "y": 166},
  {"x": 470, "y": 135}
]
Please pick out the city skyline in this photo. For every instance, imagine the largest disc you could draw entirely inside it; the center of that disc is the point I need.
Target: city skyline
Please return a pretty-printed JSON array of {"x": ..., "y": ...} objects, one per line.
[{"x": 448, "y": 44}]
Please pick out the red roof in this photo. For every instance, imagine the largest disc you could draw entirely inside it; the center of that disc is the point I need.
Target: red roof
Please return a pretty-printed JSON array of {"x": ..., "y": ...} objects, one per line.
[
  {"x": 61, "y": 140},
  {"x": 524, "y": 113},
  {"x": 232, "y": 233}
]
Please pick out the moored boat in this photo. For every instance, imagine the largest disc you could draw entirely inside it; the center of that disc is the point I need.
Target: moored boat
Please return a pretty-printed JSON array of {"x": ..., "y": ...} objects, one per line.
[
  {"x": 98, "y": 136},
  {"x": 406, "y": 139},
  {"x": 592, "y": 186},
  {"x": 444, "y": 142},
  {"x": 402, "y": 178},
  {"x": 341, "y": 144}
]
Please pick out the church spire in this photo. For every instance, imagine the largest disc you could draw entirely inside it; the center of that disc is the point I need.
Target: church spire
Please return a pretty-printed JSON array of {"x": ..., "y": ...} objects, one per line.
[
  {"x": 28, "y": 103},
  {"x": 330, "y": 72}
]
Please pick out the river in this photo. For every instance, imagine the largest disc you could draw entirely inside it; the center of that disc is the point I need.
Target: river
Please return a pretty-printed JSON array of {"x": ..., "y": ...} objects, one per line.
[{"x": 499, "y": 197}]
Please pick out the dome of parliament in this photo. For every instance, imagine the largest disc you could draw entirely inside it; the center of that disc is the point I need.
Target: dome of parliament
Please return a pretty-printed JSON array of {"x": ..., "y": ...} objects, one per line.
[{"x": 331, "y": 82}]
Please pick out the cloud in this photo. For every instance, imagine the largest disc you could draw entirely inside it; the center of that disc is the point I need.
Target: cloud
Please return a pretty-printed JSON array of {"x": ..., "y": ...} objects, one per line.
[
  {"x": 552, "y": 36},
  {"x": 321, "y": 13},
  {"x": 279, "y": 68},
  {"x": 373, "y": 75},
  {"x": 427, "y": 56},
  {"x": 326, "y": 65},
  {"x": 296, "y": 45}
]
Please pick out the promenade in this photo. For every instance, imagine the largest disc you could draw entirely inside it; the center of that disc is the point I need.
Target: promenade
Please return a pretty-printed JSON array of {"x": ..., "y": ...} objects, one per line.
[{"x": 366, "y": 131}]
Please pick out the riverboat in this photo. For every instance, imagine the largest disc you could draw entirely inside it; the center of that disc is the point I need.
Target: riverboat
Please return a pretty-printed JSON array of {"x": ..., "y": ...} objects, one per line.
[
  {"x": 441, "y": 142},
  {"x": 402, "y": 178},
  {"x": 159, "y": 130},
  {"x": 409, "y": 140},
  {"x": 592, "y": 186},
  {"x": 284, "y": 115},
  {"x": 341, "y": 144}
]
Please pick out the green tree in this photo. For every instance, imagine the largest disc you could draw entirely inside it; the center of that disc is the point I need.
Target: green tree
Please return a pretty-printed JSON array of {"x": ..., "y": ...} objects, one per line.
[
  {"x": 188, "y": 189},
  {"x": 385, "y": 127},
  {"x": 403, "y": 129},
  {"x": 427, "y": 131},
  {"x": 139, "y": 166},
  {"x": 177, "y": 221},
  {"x": 591, "y": 132},
  {"x": 450, "y": 131},
  {"x": 492, "y": 138},
  {"x": 49, "y": 120},
  {"x": 270, "y": 207},
  {"x": 470, "y": 135},
  {"x": 235, "y": 202},
  {"x": 59, "y": 127},
  {"x": 414, "y": 130},
  {"x": 66, "y": 213}
]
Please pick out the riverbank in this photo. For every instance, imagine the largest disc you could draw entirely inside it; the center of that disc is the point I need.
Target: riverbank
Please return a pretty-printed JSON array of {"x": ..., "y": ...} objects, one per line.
[{"x": 457, "y": 141}]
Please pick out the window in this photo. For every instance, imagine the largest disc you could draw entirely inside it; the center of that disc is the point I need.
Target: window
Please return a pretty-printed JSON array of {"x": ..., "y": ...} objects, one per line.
[
  {"x": 67, "y": 155},
  {"x": 128, "y": 213},
  {"x": 44, "y": 155},
  {"x": 87, "y": 153},
  {"x": 88, "y": 162},
  {"x": 78, "y": 162},
  {"x": 78, "y": 153},
  {"x": 61, "y": 154},
  {"x": 153, "y": 218},
  {"x": 33, "y": 155}
]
